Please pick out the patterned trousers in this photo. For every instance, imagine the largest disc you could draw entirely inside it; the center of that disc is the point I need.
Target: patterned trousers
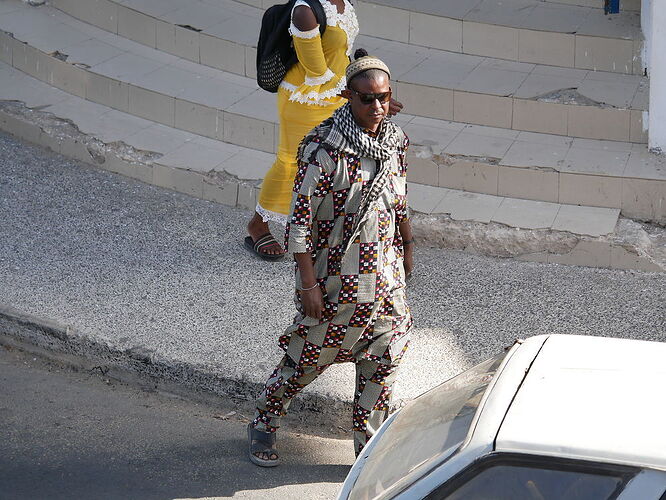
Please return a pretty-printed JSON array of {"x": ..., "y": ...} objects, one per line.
[
  {"x": 372, "y": 398},
  {"x": 376, "y": 352}
]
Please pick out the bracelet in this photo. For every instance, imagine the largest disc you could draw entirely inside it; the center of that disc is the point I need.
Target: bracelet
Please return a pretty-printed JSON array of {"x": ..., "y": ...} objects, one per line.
[
  {"x": 408, "y": 242},
  {"x": 308, "y": 289}
]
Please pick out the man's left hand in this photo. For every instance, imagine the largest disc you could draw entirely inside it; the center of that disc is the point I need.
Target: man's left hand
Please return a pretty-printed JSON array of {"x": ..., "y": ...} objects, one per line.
[{"x": 394, "y": 107}]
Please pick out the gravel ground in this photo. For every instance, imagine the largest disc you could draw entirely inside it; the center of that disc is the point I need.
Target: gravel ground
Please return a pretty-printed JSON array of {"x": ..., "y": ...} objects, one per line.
[{"x": 138, "y": 266}]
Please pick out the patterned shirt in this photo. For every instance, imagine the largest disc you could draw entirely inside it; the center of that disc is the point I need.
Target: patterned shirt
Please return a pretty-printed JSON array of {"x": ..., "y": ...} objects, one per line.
[{"x": 328, "y": 188}]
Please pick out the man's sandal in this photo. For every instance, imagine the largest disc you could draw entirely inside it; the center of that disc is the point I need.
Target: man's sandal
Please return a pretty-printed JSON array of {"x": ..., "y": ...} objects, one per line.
[
  {"x": 261, "y": 442},
  {"x": 263, "y": 242}
]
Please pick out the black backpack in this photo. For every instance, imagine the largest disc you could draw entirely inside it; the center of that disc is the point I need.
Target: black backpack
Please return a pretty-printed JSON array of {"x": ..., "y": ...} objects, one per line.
[{"x": 275, "y": 51}]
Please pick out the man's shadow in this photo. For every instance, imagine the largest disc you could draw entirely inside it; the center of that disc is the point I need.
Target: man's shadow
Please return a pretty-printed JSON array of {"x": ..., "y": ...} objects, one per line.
[{"x": 215, "y": 467}]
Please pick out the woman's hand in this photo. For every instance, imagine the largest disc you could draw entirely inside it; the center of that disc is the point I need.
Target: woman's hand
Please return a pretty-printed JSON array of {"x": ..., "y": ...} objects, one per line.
[
  {"x": 312, "y": 302},
  {"x": 394, "y": 107}
]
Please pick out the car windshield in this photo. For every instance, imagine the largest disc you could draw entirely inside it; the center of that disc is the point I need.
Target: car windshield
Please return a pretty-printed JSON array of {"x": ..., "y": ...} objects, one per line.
[{"x": 426, "y": 432}]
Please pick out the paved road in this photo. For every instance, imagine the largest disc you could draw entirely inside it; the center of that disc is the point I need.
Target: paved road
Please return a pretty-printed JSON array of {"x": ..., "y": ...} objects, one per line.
[
  {"x": 68, "y": 435},
  {"x": 140, "y": 267}
]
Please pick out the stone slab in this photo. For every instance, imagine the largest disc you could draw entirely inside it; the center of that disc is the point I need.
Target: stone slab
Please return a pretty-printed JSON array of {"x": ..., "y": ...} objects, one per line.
[
  {"x": 591, "y": 221},
  {"x": 526, "y": 214},
  {"x": 469, "y": 206}
]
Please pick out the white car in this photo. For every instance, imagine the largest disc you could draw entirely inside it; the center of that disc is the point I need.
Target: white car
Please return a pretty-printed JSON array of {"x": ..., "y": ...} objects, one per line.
[{"x": 557, "y": 417}]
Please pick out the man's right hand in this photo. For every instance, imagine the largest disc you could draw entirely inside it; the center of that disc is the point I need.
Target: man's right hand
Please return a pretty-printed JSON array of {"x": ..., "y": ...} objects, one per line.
[{"x": 312, "y": 302}]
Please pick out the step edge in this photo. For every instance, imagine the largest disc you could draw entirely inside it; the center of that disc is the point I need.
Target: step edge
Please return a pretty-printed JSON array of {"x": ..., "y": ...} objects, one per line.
[
  {"x": 494, "y": 190},
  {"x": 379, "y": 4},
  {"x": 624, "y": 134},
  {"x": 252, "y": 4}
]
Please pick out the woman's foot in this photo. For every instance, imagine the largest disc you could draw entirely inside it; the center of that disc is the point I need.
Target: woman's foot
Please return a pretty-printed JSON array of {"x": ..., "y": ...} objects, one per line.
[
  {"x": 261, "y": 447},
  {"x": 258, "y": 229}
]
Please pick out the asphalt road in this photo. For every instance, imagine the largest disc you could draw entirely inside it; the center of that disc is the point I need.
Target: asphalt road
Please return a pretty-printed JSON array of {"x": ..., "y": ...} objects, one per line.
[
  {"x": 77, "y": 435},
  {"x": 136, "y": 266}
]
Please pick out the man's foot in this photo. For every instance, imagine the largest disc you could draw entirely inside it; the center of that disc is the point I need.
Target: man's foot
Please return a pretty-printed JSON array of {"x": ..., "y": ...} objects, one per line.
[
  {"x": 258, "y": 230},
  {"x": 261, "y": 447}
]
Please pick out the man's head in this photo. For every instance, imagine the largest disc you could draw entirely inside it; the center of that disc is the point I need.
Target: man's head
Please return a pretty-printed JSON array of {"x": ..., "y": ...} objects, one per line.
[{"x": 368, "y": 90}]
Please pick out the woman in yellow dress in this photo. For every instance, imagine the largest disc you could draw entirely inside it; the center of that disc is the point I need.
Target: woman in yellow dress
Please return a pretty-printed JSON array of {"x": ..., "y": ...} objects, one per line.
[{"x": 309, "y": 94}]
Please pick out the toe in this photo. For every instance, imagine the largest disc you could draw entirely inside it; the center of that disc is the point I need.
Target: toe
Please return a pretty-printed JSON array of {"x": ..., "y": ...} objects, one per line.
[
  {"x": 274, "y": 249},
  {"x": 264, "y": 455}
]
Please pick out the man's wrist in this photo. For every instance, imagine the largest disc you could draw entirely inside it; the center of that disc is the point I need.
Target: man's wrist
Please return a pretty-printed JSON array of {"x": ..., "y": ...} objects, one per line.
[{"x": 305, "y": 288}]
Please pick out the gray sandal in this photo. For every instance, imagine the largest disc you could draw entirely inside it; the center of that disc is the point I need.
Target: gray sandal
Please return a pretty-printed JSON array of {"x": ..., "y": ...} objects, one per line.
[{"x": 261, "y": 442}]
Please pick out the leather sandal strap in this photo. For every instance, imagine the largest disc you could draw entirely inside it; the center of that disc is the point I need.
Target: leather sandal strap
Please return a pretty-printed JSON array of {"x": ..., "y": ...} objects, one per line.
[
  {"x": 264, "y": 241},
  {"x": 266, "y": 438}
]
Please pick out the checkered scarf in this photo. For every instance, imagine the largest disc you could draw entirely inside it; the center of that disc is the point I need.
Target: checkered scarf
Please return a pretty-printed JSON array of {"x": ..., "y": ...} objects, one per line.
[{"x": 342, "y": 133}]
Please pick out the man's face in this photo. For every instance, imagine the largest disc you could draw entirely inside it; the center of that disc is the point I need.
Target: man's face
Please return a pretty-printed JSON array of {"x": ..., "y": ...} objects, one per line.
[{"x": 368, "y": 112}]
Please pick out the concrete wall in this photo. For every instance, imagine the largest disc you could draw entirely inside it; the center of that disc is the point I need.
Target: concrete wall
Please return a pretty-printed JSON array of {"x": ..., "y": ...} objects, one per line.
[
  {"x": 657, "y": 72},
  {"x": 646, "y": 24}
]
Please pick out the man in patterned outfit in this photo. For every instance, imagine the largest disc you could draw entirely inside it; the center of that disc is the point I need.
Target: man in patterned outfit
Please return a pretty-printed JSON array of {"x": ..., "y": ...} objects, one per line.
[{"x": 351, "y": 239}]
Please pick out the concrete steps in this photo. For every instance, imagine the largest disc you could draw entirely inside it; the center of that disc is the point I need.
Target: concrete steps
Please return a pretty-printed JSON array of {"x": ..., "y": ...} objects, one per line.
[
  {"x": 627, "y": 5},
  {"x": 562, "y": 34},
  {"x": 532, "y": 31},
  {"x": 538, "y": 167},
  {"x": 127, "y": 76},
  {"x": 179, "y": 108},
  {"x": 129, "y": 145},
  {"x": 230, "y": 174},
  {"x": 435, "y": 83}
]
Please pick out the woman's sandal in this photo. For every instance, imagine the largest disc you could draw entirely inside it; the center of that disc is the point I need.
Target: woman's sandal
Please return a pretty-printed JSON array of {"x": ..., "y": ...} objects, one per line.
[
  {"x": 261, "y": 442},
  {"x": 257, "y": 247}
]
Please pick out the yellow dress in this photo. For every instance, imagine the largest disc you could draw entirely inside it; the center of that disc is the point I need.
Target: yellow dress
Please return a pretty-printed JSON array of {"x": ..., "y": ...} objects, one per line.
[{"x": 308, "y": 95}]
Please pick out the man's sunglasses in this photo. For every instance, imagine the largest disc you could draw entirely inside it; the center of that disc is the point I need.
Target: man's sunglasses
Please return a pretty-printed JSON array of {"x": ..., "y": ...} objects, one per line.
[{"x": 367, "y": 99}]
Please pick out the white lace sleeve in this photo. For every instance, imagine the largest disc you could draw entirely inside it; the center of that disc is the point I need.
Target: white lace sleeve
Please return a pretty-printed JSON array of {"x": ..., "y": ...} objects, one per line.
[
  {"x": 320, "y": 80},
  {"x": 294, "y": 31}
]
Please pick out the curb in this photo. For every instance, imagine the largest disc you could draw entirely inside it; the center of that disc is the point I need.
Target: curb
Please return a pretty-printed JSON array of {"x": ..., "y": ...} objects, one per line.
[
  {"x": 628, "y": 248},
  {"x": 62, "y": 137},
  {"x": 141, "y": 367}
]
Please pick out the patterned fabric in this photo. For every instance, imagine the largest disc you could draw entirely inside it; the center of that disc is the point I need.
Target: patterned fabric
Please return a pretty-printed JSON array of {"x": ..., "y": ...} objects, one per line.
[
  {"x": 338, "y": 177},
  {"x": 345, "y": 134},
  {"x": 376, "y": 350},
  {"x": 366, "y": 318}
]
